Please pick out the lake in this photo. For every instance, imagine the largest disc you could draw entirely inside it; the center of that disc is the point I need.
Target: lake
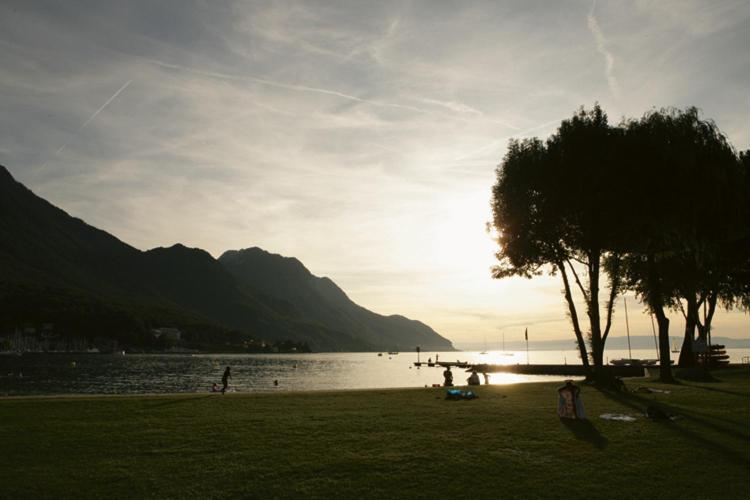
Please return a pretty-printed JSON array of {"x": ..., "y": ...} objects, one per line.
[{"x": 166, "y": 373}]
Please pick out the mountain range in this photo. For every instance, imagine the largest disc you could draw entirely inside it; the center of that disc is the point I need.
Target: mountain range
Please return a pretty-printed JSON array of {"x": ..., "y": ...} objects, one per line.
[{"x": 57, "y": 269}]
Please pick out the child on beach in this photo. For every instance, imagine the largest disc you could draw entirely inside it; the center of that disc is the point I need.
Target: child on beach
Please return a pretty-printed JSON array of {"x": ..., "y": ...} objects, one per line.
[{"x": 225, "y": 380}]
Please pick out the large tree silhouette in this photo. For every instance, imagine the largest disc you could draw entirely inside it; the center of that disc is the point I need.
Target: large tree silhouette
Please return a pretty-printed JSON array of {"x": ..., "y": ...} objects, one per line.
[
  {"x": 527, "y": 218},
  {"x": 656, "y": 204},
  {"x": 552, "y": 206},
  {"x": 682, "y": 174}
]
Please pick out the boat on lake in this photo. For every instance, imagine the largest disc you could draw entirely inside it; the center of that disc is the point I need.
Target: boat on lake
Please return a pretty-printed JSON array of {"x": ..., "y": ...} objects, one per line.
[
  {"x": 505, "y": 353},
  {"x": 633, "y": 362},
  {"x": 637, "y": 362},
  {"x": 674, "y": 347}
]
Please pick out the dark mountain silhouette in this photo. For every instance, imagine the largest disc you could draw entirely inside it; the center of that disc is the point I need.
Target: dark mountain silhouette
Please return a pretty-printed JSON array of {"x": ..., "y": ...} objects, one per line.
[
  {"x": 57, "y": 268},
  {"x": 322, "y": 301}
]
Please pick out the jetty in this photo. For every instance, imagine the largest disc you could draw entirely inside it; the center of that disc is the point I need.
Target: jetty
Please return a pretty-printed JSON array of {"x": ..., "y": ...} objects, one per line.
[{"x": 566, "y": 370}]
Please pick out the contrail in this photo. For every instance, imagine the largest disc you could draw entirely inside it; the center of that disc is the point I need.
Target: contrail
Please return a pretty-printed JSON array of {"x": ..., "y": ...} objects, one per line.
[
  {"x": 94, "y": 115},
  {"x": 114, "y": 96},
  {"x": 315, "y": 90},
  {"x": 281, "y": 85},
  {"x": 601, "y": 46}
]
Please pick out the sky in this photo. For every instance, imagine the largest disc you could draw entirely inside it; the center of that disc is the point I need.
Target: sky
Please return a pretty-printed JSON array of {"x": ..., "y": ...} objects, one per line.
[{"x": 360, "y": 137}]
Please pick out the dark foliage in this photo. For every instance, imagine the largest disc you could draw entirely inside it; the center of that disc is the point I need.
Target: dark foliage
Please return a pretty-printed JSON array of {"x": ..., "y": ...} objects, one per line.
[{"x": 659, "y": 204}]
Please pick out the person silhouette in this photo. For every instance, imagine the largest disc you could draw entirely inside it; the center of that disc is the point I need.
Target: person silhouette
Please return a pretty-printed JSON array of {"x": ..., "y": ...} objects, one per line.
[
  {"x": 225, "y": 380},
  {"x": 569, "y": 404},
  {"x": 448, "y": 375}
]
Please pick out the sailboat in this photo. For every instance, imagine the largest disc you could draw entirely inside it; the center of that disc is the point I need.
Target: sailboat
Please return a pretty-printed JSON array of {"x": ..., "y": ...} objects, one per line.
[
  {"x": 630, "y": 361},
  {"x": 505, "y": 353},
  {"x": 674, "y": 346}
]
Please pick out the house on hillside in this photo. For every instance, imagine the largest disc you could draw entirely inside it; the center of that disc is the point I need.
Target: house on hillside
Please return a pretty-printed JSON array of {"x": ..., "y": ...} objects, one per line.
[{"x": 172, "y": 334}]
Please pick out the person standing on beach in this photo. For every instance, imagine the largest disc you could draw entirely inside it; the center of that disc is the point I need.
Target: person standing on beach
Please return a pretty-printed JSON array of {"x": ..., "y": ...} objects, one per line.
[{"x": 225, "y": 380}]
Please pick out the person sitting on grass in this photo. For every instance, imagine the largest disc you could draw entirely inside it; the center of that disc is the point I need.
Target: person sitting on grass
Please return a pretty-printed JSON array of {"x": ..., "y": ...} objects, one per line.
[
  {"x": 569, "y": 404},
  {"x": 473, "y": 379},
  {"x": 448, "y": 376}
]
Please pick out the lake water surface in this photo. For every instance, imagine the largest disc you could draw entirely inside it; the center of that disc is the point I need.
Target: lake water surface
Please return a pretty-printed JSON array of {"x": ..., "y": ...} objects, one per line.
[{"x": 161, "y": 373}]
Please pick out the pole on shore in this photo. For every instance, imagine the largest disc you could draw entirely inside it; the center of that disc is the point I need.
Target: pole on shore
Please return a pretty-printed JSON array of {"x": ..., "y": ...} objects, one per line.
[
  {"x": 526, "y": 335},
  {"x": 653, "y": 329},
  {"x": 627, "y": 326},
  {"x": 708, "y": 338},
  {"x": 418, "y": 349}
]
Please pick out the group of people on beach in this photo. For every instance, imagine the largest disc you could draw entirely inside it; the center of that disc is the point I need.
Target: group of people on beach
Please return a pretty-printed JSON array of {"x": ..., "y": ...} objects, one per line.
[
  {"x": 569, "y": 402},
  {"x": 472, "y": 380}
]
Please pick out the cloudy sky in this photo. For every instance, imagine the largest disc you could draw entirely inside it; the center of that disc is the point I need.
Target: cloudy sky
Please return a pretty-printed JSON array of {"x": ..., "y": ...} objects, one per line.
[{"x": 360, "y": 137}]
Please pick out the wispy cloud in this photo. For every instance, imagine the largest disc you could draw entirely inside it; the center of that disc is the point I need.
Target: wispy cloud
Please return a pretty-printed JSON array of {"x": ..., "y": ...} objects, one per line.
[
  {"x": 459, "y": 111},
  {"x": 601, "y": 46},
  {"x": 494, "y": 146}
]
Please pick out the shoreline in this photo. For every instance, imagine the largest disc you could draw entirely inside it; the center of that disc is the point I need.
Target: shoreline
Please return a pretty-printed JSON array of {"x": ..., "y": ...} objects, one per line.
[{"x": 154, "y": 395}]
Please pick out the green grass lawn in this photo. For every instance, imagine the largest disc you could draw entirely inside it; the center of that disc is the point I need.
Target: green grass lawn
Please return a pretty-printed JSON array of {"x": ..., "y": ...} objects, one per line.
[{"x": 386, "y": 443}]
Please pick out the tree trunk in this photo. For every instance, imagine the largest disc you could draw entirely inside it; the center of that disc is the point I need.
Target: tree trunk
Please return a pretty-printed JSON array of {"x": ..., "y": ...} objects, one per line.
[
  {"x": 614, "y": 290},
  {"x": 665, "y": 360},
  {"x": 574, "y": 320},
  {"x": 713, "y": 298},
  {"x": 597, "y": 347},
  {"x": 656, "y": 303},
  {"x": 705, "y": 325},
  {"x": 687, "y": 357},
  {"x": 704, "y": 328}
]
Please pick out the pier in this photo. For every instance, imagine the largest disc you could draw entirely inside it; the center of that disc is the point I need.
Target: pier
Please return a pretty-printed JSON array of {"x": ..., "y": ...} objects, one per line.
[{"x": 566, "y": 370}]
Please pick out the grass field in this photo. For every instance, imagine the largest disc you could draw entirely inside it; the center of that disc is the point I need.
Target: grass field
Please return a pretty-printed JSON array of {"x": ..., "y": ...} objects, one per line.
[{"x": 388, "y": 443}]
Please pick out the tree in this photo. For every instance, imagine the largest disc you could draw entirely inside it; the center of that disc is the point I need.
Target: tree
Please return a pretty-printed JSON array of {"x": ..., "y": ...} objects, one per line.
[
  {"x": 585, "y": 151},
  {"x": 553, "y": 205},
  {"x": 680, "y": 170},
  {"x": 659, "y": 204},
  {"x": 528, "y": 223}
]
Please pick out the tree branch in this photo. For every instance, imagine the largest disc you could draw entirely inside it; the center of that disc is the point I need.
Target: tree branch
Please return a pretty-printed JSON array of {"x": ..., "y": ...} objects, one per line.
[
  {"x": 574, "y": 316},
  {"x": 712, "y": 300},
  {"x": 682, "y": 309},
  {"x": 614, "y": 288},
  {"x": 580, "y": 261},
  {"x": 578, "y": 281}
]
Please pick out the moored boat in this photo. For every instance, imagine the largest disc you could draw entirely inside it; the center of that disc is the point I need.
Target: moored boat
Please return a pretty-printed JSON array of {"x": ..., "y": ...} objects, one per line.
[{"x": 634, "y": 362}]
